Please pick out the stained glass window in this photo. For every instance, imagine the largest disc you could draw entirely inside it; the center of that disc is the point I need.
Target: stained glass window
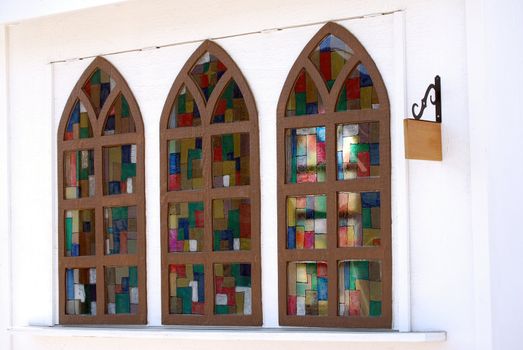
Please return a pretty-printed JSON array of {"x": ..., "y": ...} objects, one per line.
[
  {"x": 210, "y": 195},
  {"x": 101, "y": 202},
  {"x": 334, "y": 219}
]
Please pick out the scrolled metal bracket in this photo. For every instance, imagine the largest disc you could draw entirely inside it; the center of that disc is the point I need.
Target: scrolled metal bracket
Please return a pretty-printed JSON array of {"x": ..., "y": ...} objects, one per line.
[{"x": 435, "y": 100}]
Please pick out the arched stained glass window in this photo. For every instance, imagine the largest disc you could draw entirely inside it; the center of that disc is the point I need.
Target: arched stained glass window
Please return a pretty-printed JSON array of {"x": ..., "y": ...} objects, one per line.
[
  {"x": 334, "y": 227},
  {"x": 210, "y": 199},
  {"x": 101, "y": 202}
]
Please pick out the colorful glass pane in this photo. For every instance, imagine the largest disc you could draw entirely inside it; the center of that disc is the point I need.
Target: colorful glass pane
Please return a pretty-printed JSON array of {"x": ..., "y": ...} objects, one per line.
[
  {"x": 78, "y": 125},
  {"x": 186, "y": 227},
  {"x": 119, "y": 120},
  {"x": 121, "y": 289},
  {"x": 98, "y": 87},
  {"x": 231, "y": 106},
  {"x": 357, "y": 150},
  {"x": 230, "y": 166},
  {"x": 79, "y": 232},
  {"x": 360, "y": 288},
  {"x": 80, "y": 290},
  {"x": 119, "y": 169},
  {"x": 358, "y": 92},
  {"x": 329, "y": 57},
  {"x": 307, "y": 222},
  {"x": 186, "y": 289},
  {"x": 121, "y": 236},
  {"x": 232, "y": 288},
  {"x": 307, "y": 288},
  {"x": 359, "y": 219},
  {"x": 231, "y": 224},
  {"x": 79, "y": 177},
  {"x": 304, "y": 98},
  {"x": 185, "y": 164},
  {"x": 207, "y": 72},
  {"x": 185, "y": 110},
  {"x": 306, "y": 157}
]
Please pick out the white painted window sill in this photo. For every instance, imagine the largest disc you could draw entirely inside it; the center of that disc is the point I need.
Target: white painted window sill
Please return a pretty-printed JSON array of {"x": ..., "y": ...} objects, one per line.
[{"x": 245, "y": 334}]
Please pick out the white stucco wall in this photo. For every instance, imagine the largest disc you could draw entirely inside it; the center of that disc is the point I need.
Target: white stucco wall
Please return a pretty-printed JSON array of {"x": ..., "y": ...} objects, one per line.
[{"x": 446, "y": 267}]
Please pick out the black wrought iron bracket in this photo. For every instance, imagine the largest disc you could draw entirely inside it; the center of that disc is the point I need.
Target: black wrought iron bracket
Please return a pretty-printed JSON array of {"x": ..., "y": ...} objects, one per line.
[{"x": 435, "y": 99}]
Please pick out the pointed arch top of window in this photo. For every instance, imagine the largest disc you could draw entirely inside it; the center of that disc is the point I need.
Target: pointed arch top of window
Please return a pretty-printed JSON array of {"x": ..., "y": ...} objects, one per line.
[
  {"x": 100, "y": 104},
  {"x": 210, "y": 89},
  {"x": 333, "y": 73}
]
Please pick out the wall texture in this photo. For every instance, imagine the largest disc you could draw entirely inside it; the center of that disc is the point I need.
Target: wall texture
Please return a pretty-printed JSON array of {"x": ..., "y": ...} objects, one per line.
[{"x": 433, "y": 232}]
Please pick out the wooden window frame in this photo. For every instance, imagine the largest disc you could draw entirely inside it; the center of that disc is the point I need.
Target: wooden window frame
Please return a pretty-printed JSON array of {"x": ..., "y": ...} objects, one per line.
[
  {"x": 206, "y": 130},
  {"x": 334, "y": 254},
  {"x": 99, "y": 201}
]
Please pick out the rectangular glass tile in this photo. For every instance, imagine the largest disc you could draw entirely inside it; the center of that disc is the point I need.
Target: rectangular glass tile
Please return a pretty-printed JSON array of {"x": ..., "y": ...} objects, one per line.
[
  {"x": 358, "y": 151},
  {"x": 79, "y": 232},
  {"x": 121, "y": 232},
  {"x": 360, "y": 288},
  {"x": 307, "y": 222},
  {"x": 80, "y": 285},
  {"x": 232, "y": 289},
  {"x": 359, "y": 219},
  {"x": 121, "y": 290},
  {"x": 307, "y": 288},
  {"x": 231, "y": 224},
  {"x": 186, "y": 289},
  {"x": 230, "y": 166},
  {"x": 185, "y": 164},
  {"x": 79, "y": 181},
  {"x": 305, "y": 155},
  {"x": 119, "y": 165},
  {"x": 186, "y": 227}
]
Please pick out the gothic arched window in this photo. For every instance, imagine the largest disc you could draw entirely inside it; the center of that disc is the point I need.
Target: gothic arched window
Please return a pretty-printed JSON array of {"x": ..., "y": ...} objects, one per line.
[
  {"x": 210, "y": 195},
  {"x": 334, "y": 223},
  {"x": 101, "y": 192}
]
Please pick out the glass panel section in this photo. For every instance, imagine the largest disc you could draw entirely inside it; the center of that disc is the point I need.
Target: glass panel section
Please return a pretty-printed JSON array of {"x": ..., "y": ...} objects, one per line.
[
  {"x": 358, "y": 92},
  {"x": 119, "y": 165},
  {"x": 78, "y": 125},
  {"x": 230, "y": 166},
  {"x": 121, "y": 236},
  {"x": 359, "y": 219},
  {"x": 305, "y": 158},
  {"x": 186, "y": 289},
  {"x": 79, "y": 232},
  {"x": 98, "y": 87},
  {"x": 304, "y": 98},
  {"x": 119, "y": 120},
  {"x": 207, "y": 72},
  {"x": 231, "y": 224},
  {"x": 80, "y": 285},
  {"x": 185, "y": 110},
  {"x": 360, "y": 288},
  {"x": 79, "y": 181},
  {"x": 186, "y": 227},
  {"x": 307, "y": 288},
  {"x": 232, "y": 288},
  {"x": 185, "y": 164},
  {"x": 121, "y": 289},
  {"x": 329, "y": 57},
  {"x": 231, "y": 106},
  {"x": 358, "y": 150},
  {"x": 307, "y": 222}
]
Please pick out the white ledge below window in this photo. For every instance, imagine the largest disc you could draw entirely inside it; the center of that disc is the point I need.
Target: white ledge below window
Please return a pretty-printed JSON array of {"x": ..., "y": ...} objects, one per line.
[{"x": 244, "y": 333}]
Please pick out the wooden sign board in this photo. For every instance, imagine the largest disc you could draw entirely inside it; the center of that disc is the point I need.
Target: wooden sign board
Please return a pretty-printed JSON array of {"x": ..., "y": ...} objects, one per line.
[{"x": 422, "y": 139}]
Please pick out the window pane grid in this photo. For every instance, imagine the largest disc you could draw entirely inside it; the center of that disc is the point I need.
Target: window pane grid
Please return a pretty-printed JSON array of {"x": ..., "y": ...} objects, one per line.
[
  {"x": 229, "y": 194},
  {"x": 350, "y": 168}
]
